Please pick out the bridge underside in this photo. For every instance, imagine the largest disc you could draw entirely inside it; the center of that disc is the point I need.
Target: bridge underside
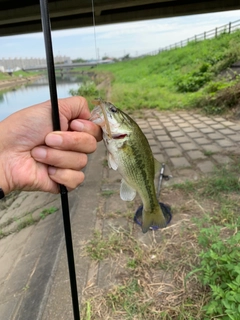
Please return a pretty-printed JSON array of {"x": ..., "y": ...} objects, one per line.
[{"x": 18, "y": 17}]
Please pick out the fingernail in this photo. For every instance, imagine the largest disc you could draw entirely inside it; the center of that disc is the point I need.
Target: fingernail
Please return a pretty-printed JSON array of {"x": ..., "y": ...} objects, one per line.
[
  {"x": 54, "y": 140},
  {"x": 51, "y": 170},
  {"x": 39, "y": 153},
  {"x": 78, "y": 125}
]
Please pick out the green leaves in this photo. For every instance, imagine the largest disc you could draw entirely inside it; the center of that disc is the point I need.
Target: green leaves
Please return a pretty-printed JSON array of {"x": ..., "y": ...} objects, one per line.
[
  {"x": 86, "y": 89},
  {"x": 220, "y": 271},
  {"x": 194, "y": 80}
]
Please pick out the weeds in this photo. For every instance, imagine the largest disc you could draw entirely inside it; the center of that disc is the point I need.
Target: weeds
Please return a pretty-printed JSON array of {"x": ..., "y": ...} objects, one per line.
[
  {"x": 46, "y": 212},
  {"x": 223, "y": 180},
  {"x": 88, "y": 90},
  {"x": 126, "y": 297},
  {"x": 100, "y": 248},
  {"x": 25, "y": 222},
  {"x": 219, "y": 239},
  {"x": 220, "y": 271},
  {"x": 208, "y": 153},
  {"x": 107, "y": 193},
  {"x": 194, "y": 80}
]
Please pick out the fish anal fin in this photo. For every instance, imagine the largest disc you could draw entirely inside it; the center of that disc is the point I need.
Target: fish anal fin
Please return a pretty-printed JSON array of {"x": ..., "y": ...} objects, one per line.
[{"x": 127, "y": 193}]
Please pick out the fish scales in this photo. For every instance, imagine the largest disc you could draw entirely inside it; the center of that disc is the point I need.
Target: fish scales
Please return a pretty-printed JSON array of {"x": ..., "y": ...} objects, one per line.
[
  {"x": 129, "y": 153},
  {"x": 134, "y": 158}
]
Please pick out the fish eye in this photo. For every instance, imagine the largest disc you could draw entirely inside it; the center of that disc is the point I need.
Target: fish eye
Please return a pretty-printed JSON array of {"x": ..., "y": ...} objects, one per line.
[{"x": 113, "y": 109}]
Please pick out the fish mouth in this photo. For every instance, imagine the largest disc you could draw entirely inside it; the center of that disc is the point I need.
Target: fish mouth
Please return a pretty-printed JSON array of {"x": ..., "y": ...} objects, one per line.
[{"x": 119, "y": 136}]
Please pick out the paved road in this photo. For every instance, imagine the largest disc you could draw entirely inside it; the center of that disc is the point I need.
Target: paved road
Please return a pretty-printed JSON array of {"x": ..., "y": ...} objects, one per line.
[{"x": 33, "y": 268}]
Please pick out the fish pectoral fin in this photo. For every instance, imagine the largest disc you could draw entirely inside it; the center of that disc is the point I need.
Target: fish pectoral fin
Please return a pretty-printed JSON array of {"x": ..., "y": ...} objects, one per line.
[
  {"x": 111, "y": 162},
  {"x": 127, "y": 193}
]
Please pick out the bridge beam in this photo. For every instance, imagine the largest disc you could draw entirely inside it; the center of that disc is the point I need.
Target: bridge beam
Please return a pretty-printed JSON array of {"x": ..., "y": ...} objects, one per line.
[{"x": 24, "y": 16}]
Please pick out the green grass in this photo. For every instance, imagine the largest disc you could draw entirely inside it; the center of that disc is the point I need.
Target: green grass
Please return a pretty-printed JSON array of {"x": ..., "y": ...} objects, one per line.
[
  {"x": 107, "y": 193},
  {"x": 180, "y": 78},
  {"x": 100, "y": 248},
  {"x": 224, "y": 179},
  {"x": 18, "y": 74},
  {"x": 89, "y": 90},
  {"x": 218, "y": 238},
  {"x": 5, "y": 76},
  {"x": 25, "y": 222},
  {"x": 46, "y": 212},
  {"x": 219, "y": 270},
  {"x": 24, "y": 74}
]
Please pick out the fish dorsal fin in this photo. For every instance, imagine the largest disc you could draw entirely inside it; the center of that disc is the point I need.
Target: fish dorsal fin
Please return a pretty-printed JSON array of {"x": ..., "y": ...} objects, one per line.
[
  {"x": 111, "y": 162},
  {"x": 157, "y": 166},
  {"x": 127, "y": 193}
]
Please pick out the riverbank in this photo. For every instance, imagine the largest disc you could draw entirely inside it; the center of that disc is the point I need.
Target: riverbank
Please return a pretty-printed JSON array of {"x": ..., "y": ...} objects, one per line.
[{"x": 15, "y": 82}]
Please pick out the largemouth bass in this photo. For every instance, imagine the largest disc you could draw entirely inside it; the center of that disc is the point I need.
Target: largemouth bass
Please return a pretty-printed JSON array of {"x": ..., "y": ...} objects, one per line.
[{"x": 129, "y": 153}]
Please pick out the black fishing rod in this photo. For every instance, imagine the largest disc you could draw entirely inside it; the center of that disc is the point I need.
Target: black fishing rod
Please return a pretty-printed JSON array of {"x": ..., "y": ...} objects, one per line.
[{"x": 46, "y": 26}]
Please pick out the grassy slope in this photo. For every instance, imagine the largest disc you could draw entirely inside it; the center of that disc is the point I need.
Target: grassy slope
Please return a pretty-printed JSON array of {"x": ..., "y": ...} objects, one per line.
[
  {"x": 6, "y": 76},
  {"x": 152, "y": 81}
]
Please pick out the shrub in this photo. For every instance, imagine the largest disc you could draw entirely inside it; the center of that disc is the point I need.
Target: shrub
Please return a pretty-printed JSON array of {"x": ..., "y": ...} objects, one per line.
[
  {"x": 86, "y": 89},
  {"x": 193, "y": 81}
]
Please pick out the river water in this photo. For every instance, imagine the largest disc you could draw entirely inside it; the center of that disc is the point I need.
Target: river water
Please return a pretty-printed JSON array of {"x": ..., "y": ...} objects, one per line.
[{"x": 35, "y": 92}]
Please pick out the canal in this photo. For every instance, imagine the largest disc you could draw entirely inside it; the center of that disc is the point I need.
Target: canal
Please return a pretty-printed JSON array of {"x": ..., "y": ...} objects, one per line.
[{"x": 35, "y": 92}]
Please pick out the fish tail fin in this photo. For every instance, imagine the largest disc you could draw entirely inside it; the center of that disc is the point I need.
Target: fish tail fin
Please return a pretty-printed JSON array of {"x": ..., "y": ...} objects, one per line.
[{"x": 155, "y": 218}]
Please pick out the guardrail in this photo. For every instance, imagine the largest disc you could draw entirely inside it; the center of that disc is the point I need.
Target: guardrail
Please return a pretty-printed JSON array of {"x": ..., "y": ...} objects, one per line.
[{"x": 227, "y": 28}]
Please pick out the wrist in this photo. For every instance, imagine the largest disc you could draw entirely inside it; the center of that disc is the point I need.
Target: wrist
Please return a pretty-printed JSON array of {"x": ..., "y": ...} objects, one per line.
[
  {"x": 4, "y": 190},
  {"x": 4, "y": 185},
  {"x": 2, "y": 194}
]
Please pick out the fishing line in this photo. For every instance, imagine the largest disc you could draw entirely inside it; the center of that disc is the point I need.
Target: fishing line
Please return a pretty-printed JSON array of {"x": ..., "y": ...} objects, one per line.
[
  {"x": 56, "y": 127},
  {"x": 94, "y": 30},
  {"x": 95, "y": 39}
]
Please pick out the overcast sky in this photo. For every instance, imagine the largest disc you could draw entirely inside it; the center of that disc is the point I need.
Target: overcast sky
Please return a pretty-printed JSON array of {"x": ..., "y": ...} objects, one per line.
[{"x": 133, "y": 38}]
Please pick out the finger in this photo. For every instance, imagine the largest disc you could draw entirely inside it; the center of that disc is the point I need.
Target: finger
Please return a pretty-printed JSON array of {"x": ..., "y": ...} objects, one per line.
[
  {"x": 71, "y": 141},
  {"x": 69, "y": 178},
  {"x": 88, "y": 127},
  {"x": 60, "y": 158},
  {"x": 74, "y": 108}
]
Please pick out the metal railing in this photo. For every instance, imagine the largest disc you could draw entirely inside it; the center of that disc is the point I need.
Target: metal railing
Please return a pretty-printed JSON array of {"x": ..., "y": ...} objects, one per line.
[{"x": 227, "y": 28}]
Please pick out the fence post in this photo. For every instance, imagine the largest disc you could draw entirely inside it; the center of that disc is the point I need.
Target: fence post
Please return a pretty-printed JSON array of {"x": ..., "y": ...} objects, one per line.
[
  {"x": 215, "y": 32},
  {"x": 229, "y": 28},
  {"x": 204, "y": 35},
  {"x": 195, "y": 38}
]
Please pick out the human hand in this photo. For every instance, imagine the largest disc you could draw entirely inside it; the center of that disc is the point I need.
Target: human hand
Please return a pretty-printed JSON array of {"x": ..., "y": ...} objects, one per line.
[{"x": 33, "y": 157}]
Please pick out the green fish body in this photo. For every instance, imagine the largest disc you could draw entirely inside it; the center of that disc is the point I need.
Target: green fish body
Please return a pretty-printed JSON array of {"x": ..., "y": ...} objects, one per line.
[{"x": 129, "y": 153}]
